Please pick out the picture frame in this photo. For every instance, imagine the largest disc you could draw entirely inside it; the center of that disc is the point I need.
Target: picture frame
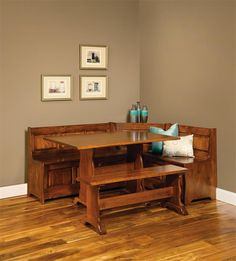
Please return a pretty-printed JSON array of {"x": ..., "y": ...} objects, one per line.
[
  {"x": 93, "y": 57},
  {"x": 94, "y": 87},
  {"x": 56, "y": 87}
]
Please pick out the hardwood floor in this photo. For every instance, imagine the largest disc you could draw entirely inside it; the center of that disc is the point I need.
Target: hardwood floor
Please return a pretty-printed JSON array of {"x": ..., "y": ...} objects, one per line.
[{"x": 31, "y": 231}]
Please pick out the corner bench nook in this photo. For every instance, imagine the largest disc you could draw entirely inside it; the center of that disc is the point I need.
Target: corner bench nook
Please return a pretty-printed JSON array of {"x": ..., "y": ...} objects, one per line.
[{"x": 53, "y": 170}]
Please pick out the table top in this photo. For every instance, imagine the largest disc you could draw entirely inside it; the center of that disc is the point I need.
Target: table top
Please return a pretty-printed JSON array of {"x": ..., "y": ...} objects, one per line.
[{"x": 108, "y": 139}]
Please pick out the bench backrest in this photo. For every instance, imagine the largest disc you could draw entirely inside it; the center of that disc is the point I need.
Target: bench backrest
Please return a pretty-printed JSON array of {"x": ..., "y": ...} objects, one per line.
[
  {"x": 204, "y": 140},
  {"x": 38, "y": 145}
]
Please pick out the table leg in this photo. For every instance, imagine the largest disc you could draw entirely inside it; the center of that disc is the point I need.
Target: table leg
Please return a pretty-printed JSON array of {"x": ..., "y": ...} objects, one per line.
[
  {"x": 89, "y": 195},
  {"x": 92, "y": 210},
  {"x": 134, "y": 154},
  {"x": 86, "y": 169}
]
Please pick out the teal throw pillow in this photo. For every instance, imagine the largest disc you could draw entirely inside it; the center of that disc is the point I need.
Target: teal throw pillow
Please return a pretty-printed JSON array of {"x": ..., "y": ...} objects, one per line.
[{"x": 157, "y": 147}]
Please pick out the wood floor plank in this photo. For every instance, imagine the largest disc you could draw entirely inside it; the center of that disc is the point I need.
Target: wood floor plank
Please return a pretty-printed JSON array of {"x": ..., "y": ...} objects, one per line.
[{"x": 31, "y": 231}]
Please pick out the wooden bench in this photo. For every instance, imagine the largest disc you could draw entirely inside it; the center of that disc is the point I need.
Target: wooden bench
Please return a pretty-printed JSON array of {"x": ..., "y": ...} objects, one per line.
[
  {"x": 170, "y": 194},
  {"x": 52, "y": 170},
  {"x": 201, "y": 180}
]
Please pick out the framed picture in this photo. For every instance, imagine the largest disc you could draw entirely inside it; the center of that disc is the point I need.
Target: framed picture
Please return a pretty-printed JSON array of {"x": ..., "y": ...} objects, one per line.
[
  {"x": 93, "y": 57},
  {"x": 56, "y": 87},
  {"x": 93, "y": 88}
]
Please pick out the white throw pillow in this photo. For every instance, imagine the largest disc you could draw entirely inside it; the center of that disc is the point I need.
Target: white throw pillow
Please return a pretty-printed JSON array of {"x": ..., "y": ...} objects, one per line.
[{"x": 182, "y": 147}]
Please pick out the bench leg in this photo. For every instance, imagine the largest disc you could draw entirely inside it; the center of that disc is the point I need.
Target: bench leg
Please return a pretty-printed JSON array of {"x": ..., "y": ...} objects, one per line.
[
  {"x": 174, "y": 202},
  {"x": 92, "y": 210}
]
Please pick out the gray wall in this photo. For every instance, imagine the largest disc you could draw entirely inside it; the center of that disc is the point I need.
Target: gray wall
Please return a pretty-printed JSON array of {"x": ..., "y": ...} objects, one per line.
[
  {"x": 187, "y": 70},
  {"x": 43, "y": 37}
]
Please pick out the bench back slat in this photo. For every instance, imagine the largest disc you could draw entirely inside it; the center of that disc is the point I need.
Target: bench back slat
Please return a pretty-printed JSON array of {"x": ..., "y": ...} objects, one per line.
[
  {"x": 201, "y": 155},
  {"x": 201, "y": 143},
  {"x": 202, "y": 139}
]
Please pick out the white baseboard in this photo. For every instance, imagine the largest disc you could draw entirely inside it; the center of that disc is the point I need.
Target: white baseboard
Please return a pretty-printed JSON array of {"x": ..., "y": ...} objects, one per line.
[
  {"x": 13, "y": 191},
  {"x": 21, "y": 189},
  {"x": 226, "y": 196}
]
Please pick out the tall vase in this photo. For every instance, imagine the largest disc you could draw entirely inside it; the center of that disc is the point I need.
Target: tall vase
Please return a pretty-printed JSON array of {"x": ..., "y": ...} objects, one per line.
[
  {"x": 133, "y": 114},
  {"x": 144, "y": 114}
]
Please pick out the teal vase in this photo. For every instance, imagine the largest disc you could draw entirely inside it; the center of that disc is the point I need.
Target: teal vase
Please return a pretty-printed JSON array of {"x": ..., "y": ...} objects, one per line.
[
  {"x": 133, "y": 114},
  {"x": 144, "y": 114}
]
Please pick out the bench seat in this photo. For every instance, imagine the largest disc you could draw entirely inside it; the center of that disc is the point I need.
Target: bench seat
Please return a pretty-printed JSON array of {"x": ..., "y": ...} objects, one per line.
[
  {"x": 170, "y": 194},
  {"x": 172, "y": 160},
  {"x": 128, "y": 174}
]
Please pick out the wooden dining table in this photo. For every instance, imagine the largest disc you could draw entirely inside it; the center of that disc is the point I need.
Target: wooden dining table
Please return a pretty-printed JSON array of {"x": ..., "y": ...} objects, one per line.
[
  {"x": 87, "y": 143},
  {"x": 89, "y": 191}
]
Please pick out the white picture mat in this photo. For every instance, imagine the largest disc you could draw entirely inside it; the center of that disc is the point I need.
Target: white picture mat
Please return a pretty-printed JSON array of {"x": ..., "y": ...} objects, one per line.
[
  {"x": 61, "y": 85},
  {"x": 102, "y": 54},
  {"x": 93, "y": 87}
]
